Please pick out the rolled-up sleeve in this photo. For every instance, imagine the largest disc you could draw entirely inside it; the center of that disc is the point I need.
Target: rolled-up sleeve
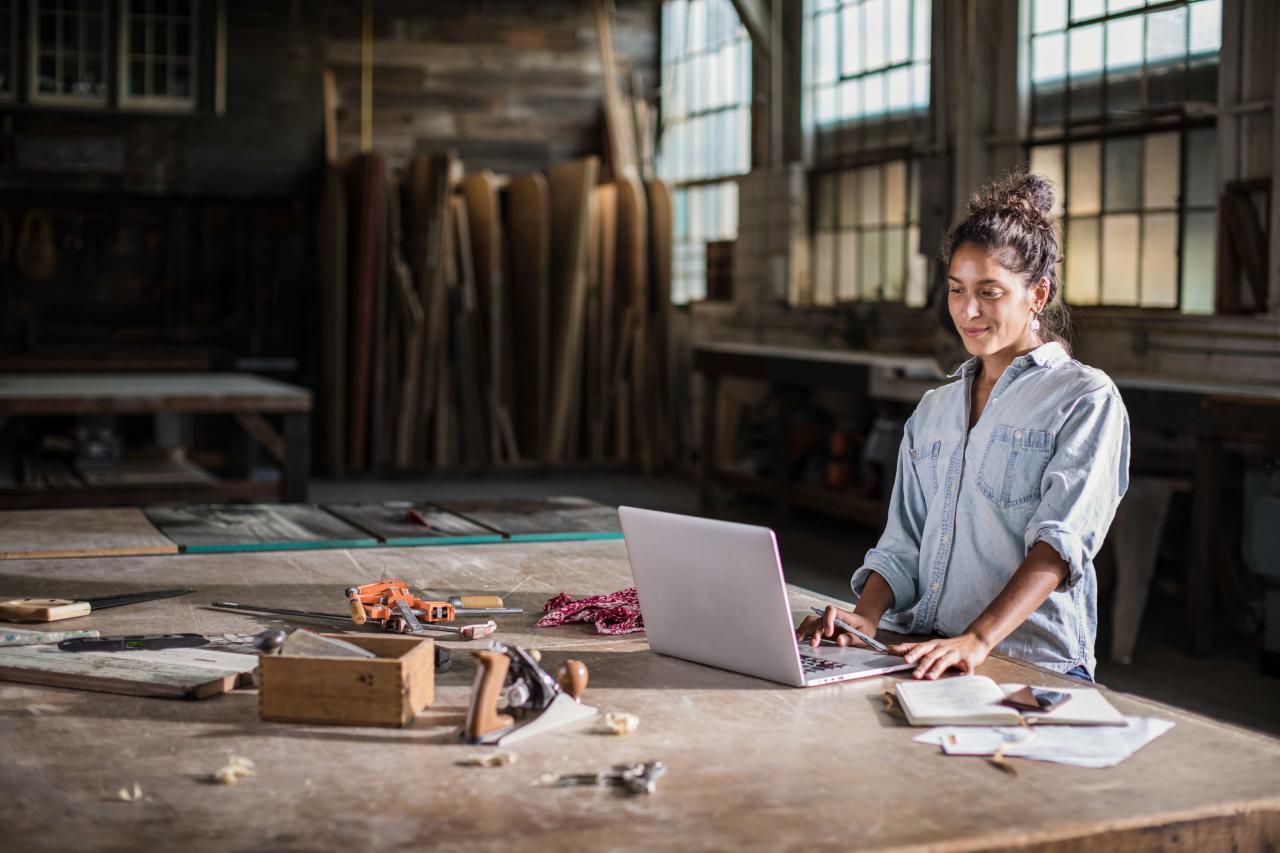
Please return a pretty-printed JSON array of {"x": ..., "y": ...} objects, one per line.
[
  {"x": 1083, "y": 482},
  {"x": 896, "y": 556}
]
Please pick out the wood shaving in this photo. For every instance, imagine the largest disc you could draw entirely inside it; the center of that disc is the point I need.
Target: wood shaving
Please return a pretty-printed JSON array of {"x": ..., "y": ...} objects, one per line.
[
  {"x": 998, "y": 761},
  {"x": 130, "y": 795},
  {"x": 490, "y": 759},
  {"x": 237, "y": 767},
  {"x": 621, "y": 724}
]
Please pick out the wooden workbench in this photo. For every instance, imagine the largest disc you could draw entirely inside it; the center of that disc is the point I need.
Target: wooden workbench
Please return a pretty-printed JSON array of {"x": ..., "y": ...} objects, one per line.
[
  {"x": 243, "y": 396},
  {"x": 753, "y": 765}
]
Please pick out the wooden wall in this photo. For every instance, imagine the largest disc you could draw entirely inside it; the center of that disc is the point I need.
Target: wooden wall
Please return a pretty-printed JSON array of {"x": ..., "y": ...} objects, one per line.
[{"x": 512, "y": 85}]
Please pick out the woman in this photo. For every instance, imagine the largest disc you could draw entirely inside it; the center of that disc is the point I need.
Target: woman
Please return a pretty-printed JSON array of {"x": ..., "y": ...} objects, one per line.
[{"x": 1008, "y": 479}]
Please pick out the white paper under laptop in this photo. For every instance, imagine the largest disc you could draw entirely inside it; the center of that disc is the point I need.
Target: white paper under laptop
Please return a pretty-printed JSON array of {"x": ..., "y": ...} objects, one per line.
[{"x": 713, "y": 592}]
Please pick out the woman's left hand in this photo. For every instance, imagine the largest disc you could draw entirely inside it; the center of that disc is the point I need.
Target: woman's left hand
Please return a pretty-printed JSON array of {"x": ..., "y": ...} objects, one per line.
[{"x": 934, "y": 657}]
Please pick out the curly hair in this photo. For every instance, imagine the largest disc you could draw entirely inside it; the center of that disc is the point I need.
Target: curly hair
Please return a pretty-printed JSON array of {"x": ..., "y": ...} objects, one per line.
[{"x": 1010, "y": 219}]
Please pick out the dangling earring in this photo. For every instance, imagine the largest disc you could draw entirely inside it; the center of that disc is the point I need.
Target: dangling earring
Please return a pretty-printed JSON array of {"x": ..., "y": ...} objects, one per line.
[{"x": 1035, "y": 322}]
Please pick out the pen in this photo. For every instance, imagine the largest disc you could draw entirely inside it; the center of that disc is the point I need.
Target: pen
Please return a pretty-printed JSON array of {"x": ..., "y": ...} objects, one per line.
[{"x": 870, "y": 641}]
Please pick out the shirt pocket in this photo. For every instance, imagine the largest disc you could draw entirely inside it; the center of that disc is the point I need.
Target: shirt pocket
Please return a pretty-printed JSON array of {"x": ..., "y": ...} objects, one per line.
[
  {"x": 925, "y": 460},
  {"x": 1013, "y": 464}
]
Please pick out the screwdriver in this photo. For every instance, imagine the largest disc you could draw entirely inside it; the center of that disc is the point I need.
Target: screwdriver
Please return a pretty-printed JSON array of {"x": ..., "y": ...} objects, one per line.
[{"x": 55, "y": 609}]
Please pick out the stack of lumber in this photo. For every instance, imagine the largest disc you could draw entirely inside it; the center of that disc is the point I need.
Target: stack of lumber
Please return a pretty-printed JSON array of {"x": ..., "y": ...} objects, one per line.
[{"x": 474, "y": 320}]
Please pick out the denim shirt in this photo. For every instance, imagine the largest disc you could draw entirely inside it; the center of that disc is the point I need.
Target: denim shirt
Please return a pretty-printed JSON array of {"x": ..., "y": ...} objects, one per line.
[{"x": 1048, "y": 461}]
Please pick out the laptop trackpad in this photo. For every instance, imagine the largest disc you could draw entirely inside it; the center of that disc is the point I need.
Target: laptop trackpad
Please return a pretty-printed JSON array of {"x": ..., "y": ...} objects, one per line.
[{"x": 860, "y": 658}]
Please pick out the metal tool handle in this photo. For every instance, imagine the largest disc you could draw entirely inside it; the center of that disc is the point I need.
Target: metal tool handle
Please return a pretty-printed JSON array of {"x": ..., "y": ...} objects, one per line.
[{"x": 42, "y": 609}]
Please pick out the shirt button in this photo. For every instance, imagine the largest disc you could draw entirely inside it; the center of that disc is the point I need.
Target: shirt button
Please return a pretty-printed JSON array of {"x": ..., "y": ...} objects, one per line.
[
  {"x": 1017, "y": 434},
  {"x": 935, "y": 586},
  {"x": 946, "y": 538}
]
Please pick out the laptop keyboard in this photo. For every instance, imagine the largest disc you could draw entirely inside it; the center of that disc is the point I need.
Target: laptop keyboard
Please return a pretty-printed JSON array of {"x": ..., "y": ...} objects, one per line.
[{"x": 812, "y": 664}]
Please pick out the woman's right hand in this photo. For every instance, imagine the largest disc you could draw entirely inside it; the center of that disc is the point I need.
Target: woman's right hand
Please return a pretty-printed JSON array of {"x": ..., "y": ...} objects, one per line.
[{"x": 816, "y": 628}]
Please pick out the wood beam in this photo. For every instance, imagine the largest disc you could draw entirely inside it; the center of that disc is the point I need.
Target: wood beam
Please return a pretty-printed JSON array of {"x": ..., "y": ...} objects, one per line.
[{"x": 755, "y": 16}]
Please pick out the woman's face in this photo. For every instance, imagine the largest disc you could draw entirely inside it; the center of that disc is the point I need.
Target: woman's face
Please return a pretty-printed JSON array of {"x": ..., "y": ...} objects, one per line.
[{"x": 990, "y": 305}]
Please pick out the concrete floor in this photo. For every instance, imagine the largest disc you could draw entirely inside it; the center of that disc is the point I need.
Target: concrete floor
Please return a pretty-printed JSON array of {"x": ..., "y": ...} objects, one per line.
[{"x": 820, "y": 554}]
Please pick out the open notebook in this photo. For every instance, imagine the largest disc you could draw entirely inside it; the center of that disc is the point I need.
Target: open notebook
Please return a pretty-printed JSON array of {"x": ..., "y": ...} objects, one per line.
[{"x": 974, "y": 700}]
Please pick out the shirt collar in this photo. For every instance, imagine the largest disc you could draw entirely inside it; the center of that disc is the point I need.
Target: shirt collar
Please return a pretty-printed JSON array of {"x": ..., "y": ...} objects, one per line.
[{"x": 1046, "y": 355}]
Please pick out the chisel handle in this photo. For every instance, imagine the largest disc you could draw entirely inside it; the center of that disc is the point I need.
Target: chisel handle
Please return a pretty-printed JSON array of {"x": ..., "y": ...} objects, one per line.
[
  {"x": 471, "y": 602},
  {"x": 42, "y": 609}
]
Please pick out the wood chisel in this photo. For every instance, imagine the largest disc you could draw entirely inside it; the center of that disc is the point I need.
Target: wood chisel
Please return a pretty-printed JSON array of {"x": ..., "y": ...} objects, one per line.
[
  {"x": 133, "y": 642},
  {"x": 55, "y": 609}
]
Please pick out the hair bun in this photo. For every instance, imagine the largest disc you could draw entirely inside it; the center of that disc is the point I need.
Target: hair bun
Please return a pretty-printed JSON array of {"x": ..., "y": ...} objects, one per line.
[{"x": 1025, "y": 194}]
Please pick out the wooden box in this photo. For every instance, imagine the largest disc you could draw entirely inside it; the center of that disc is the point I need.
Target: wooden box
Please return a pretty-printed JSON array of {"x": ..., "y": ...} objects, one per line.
[{"x": 388, "y": 690}]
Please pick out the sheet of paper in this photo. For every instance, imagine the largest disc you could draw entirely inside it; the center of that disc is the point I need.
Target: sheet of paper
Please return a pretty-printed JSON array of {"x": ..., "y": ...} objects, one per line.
[
  {"x": 1103, "y": 746},
  {"x": 953, "y": 697}
]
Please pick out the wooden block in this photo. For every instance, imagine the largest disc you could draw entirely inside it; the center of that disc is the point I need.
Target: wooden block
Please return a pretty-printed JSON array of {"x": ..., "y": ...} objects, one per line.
[
  {"x": 388, "y": 690},
  {"x": 205, "y": 528},
  {"x": 633, "y": 287},
  {"x": 607, "y": 202},
  {"x": 389, "y": 521},
  {"x": 529, "y": 239},
  {"x": 469, "y": 350},
  {"x": 541, "y": 519},
  {"x": 133, "y": 674},
  {"x": 570, "y": 191},
  {"x": 40, "y": 533},
  {"x": 368, "y": 224}
]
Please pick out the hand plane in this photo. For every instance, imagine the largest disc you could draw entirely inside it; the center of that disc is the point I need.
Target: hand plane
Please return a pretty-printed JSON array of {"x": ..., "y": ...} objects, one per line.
[{"x": 509, "y": 679}]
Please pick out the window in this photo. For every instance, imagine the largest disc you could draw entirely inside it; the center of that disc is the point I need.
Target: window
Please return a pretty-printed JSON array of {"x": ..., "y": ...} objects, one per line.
[
  {"x": 157, "y": 53},
  {"x": 867, "y": 58},
  {"x": 68, "y": 52},
  {"x": 1136, "y": 169},
  {"x": 866, "y": 239},
  {"x": 8, "y": 45},
  {"x": 706, "y": 130},
  {"x": 867, "y": 67}
]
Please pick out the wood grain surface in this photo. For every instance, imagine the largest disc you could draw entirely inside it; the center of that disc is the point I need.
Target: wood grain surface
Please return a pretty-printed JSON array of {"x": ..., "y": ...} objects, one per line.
[
  {"x": 255, "y": 527},
  {"x": 752, "y": 765},
  {"x": 80, "y": 533}
]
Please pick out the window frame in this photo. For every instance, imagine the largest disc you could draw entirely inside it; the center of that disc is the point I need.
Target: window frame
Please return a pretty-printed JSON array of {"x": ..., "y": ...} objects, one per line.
[
  {"x": 56, "y": 100},
  {"x": 156, "y": 103}
]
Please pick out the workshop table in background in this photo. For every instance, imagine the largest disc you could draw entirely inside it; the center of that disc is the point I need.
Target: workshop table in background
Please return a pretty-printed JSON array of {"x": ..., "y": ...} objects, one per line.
[
  {"x": 245, "y": 397},
  {"x": 752, "y": 764}
]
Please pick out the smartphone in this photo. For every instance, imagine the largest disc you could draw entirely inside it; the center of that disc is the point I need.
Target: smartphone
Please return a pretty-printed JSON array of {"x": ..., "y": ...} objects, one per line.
[{"x": 1036, "y": 699}]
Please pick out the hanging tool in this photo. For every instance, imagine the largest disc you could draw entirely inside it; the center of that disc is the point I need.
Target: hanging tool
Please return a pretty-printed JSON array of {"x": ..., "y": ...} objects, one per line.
[
  {"x": 465, "y": 632},
  {"x": 379, "y": 601},
  {"x": 133, "y": 642},
  {"x": 508, "y": 678},
  {"x": 55, "y": 609}
]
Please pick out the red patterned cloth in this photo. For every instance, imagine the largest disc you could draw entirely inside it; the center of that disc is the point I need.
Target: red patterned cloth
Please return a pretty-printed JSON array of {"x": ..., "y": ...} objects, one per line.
[{"x": 615, "y": 613}]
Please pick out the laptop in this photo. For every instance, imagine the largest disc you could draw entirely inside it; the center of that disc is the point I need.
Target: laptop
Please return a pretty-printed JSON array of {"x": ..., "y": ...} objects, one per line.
[{"x": 712, "y": 592}]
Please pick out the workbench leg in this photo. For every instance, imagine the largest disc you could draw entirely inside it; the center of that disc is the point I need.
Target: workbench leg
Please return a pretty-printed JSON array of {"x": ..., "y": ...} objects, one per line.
[
  {"x": 1206, "y": 486},
  {"x": 297, "y": 457},
  {"x": 706, "y": 466}
]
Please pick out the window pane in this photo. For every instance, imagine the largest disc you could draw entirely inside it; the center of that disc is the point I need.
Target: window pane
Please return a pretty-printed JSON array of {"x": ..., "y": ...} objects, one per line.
[
  {"x": 1083, "y": 192},
  {"x": 848, "y": 198},
  {"x": 1166, "y": 35},
  {"x": 1082, "y": 262},
  {"x": 1206, "y": 26},
  {"x": 875, "y": 33},
  {"x": 850, "y": 99},
  {"x": 1084, "y": 9},
  {"x": 1120, "y": 259},
  {"x": 873, "y": 94},
  {"x": 869, "y": 252},
  {"x": 895, "y": 192},
  {"x": 1086, "y": 51},
  {"x": 1122, "y": 5},
  {"x": 898, "y": 82},
  {"x": 921, "y": 12},
  {"x": 137, "y": 77},
  {"x": 824, "y": 270},
  {"x": 850, "y": 40},
  {"x": 1050, "y": 58},
  {"x": 825, "y": 56},
  {"x": 1198, "y": 262},
  {"x": 1160, "y": 172},
  {"x": 1160, "y": 260},
  {"x": 1046, "y": 160},
  {"x": 1049, "y": 15},
  {"x": 824, "y": 196},
  {"x": 847, "y": 277},
  {"x": 1202, "y": 168},
  {"x": 917, "y": 268},
  {"x": 899, "y": 31},
  {"x": 1124, "y": 43},
  {"x": 895, "y": 271},
  {"x": 1124, "y": 171},
  {"x": 869, "y": 192}
]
